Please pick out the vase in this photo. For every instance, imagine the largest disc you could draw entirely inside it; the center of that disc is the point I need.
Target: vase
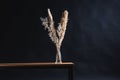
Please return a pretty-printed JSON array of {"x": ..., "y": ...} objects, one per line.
[{"x": 58, "y": 55}]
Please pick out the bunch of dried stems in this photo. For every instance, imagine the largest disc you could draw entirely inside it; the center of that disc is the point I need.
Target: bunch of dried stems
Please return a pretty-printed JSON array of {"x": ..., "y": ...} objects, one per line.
[{"x": 56, "y": 36}]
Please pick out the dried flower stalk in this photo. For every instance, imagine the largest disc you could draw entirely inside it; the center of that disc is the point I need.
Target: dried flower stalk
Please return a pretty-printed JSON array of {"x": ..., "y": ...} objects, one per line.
[{"x": 56, "y": 36}]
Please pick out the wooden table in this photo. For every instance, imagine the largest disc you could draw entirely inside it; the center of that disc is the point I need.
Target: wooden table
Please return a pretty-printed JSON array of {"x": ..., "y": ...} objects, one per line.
[{"x": 42, "y": 65}]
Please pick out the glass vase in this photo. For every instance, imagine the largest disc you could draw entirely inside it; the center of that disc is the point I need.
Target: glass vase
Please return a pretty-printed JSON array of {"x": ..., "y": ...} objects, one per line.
[{"x": 58, "y": 55}]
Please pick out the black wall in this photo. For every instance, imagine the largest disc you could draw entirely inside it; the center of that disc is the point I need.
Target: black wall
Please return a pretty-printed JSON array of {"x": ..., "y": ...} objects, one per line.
[{"x": 92, "y": 39}]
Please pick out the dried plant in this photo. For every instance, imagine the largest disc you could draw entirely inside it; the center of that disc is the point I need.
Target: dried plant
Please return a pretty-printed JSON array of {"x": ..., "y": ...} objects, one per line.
[{"x": 56, "y": 36}]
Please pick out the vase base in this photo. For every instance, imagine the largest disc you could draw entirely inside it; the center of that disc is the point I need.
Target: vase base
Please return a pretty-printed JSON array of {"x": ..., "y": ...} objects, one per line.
[{"x": 58, "y": 62}]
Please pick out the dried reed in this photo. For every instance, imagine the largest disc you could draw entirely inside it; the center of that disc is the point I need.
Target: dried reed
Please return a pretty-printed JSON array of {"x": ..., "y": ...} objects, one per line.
[{"x": 56, "y": 36}]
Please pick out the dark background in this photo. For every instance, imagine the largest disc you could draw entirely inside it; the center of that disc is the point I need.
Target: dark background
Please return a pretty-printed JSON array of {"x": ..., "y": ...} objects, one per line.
[{"x": 92, "y": 39}]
